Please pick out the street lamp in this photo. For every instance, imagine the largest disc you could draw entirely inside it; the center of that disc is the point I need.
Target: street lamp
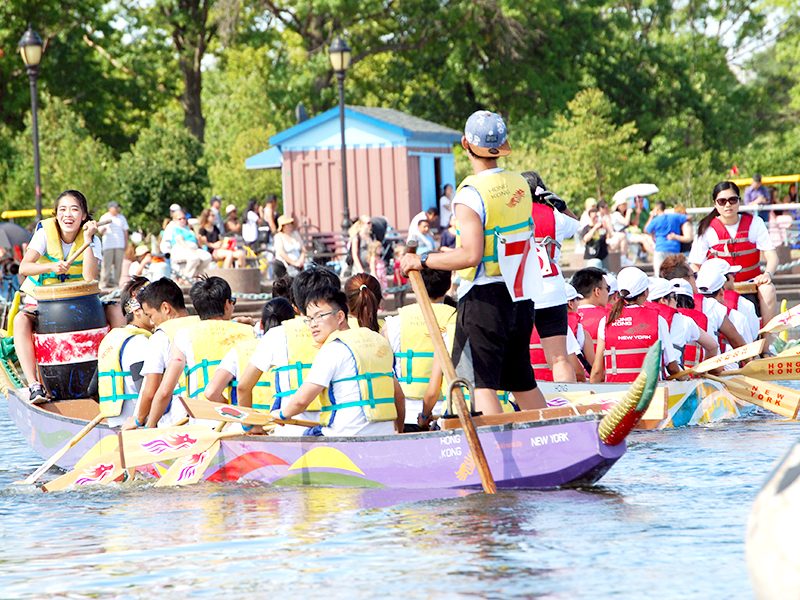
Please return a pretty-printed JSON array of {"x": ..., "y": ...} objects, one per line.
[
  {"x": 30, "y": 47},
  {"x": 339, "y": 54}
]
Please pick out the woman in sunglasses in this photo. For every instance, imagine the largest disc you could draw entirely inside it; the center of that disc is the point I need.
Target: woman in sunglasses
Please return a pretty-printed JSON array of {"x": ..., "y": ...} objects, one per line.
[{"x": 738, "y": 239}]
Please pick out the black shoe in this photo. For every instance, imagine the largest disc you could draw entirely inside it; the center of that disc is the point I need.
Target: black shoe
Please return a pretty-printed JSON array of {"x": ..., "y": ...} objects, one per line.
[{"x": 37, "y": 394}]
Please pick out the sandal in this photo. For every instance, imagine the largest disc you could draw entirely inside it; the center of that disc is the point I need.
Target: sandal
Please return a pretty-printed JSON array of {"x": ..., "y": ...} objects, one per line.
[{"x": 36, "y": 393}]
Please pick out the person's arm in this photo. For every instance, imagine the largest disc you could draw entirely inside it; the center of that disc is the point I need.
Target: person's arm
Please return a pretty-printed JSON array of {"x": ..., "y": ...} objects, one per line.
[
  {"x": 708, "y": 343},
  {"x": 177, "y": 361},
  {"x": 247, "y": 381},
  {"x": 355, "y": 242},
  {"x": 432, "y": 394},
  {"x": 280, "y": 252},
  {"x": 301, "y": 261},
  {"x": 580, "y": 374},
  {"x": 217, "y": 385},
  {"x": 673, "y": 368},
  {"x": 686, "y": 235},
  {"x": 400, "y": 406},
  {"x": 587, "y": 237},
  {"x": 299, "y": 401},
  {"x": 772, "y": 265},
  {"x": 588, "y": 348},
  {"x": 731, "y": 334},
  {"x": 599, "y": 367},
  {"x": 469, "y": 254},
  {"x": 151, "y": 383},
  {"x": 89, "y": 268}
]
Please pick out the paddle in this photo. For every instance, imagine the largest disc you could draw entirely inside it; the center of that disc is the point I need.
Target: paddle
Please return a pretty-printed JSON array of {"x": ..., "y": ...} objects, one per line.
[
  {"x": 720, "y": 360},
  {"x": 449, "y": 371},
  {"x": 103, "y": 469},
  {"x": 781, "y": 367},
  {"x": 57, "y": 456},
  {"x": 189, "y": 469},
  {"x": 782, "y": 322},
  {"x": 79, "y": 252},
  {"x": 145, "y": 446},
  {"x": 778, "y": 399},
  {"x": 216, "y": 411}
]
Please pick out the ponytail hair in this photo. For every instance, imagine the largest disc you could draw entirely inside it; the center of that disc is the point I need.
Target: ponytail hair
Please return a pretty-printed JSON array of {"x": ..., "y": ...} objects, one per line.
[
  {"x": 364, "y": 295},
  {"x": 623, "y": 301},
  {"x": 706, "y": 221}
]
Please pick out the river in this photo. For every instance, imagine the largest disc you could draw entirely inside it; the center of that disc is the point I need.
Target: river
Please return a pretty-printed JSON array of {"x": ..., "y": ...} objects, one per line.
[{"x": 668, "y": 521}]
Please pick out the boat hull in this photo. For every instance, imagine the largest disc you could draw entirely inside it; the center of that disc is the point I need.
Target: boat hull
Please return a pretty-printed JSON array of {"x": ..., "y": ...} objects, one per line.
[
  {"x": 534, "y": 455},
  {"x": 675, "y": 404}
]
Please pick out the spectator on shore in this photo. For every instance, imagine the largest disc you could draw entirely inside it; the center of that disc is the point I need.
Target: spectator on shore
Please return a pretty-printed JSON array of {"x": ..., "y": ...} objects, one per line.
[
  {"x": 791, "y": 196},
  {"x": 220, "y": 248},
  {"x": 216, "y": 205},
  {"x": 142, "y": 259},
  {"x": 425, "y": 242},
  {"x": 269, "y": 214},
  {"x": 376, "y": 264},
  {"x": 594, "y": 236},
  {"x": 446, "y": 205},
  {"x": 115, "y": 239},
  {"x": 358, "y": 245},
  {"x": 448, "y": 239},
  {"x": 252, "y": 219},
  {"x": 399, "y": 277},
  {"x": 669, "y": 230},
  {"x": 185, "y": 247},
  {"x": 231, "y": 226},
  {"x": 290, "y": 252}
]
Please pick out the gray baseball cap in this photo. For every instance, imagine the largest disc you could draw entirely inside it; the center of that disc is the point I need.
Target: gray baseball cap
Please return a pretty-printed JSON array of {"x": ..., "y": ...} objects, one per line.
[{"x": 485, "y": 133}]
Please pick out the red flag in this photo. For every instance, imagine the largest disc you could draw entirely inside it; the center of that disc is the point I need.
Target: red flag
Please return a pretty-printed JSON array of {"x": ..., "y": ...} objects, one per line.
[{"x": 734, "y": 170}]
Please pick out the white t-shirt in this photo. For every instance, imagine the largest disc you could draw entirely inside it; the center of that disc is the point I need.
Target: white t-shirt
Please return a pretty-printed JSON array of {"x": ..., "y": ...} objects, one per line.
[
  {"x": 748, "y": 309},
  {"x": 580, "y": 337},
  {"x": 166, "y": 238},
  {"x": 555, "y": 293},
  {"x": 39, "y": 243},
  {"x": 445, "y": 211},
  {"x": 334, "y": 362},
  {"x": 412, "y": 227},
  {"x": 668, "y": 352},
  {"x": 270, "y": 352},
  {"x": 250, "y": 227},
  {"x": 413, "y": 405},
  {"x": 715, "y": 313},
  {"x": 134, "y": 352},
  {"x": 758, "y": 234},
  {"x": 683, "y": 331},
  {"x": 572, "y": 343},
  {"x": 230, "y": 363},
  {"x": 156, "y": 359},
  {"x": 114, "y": 236}
]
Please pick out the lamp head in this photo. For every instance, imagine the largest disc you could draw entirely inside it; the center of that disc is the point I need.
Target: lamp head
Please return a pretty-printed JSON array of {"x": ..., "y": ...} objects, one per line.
[
  {"x": 30, "y": 48},
  {"x": 339, "y": 54}
]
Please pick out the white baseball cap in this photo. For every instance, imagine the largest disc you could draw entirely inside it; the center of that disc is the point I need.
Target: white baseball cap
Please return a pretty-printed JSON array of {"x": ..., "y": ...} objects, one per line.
[
  {"x": 721, "y": 265},
  {"x": 710, "y": 281},
  {"x": 611, "y": 282},
  {"x": 632, "y": 281},
  {"x": 681, "y": 286},
  {"x": 658, "y": 288},
  {"x": 572, "y": 293},
  {"x": 174, "y": 207}
]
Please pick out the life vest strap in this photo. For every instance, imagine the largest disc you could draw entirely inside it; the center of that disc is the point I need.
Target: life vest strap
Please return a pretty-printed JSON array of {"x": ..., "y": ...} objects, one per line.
[
  {"x": 498, "y": 231},
  {"x": 114, "y": 396},
  {"x": 409, "y": 355},
  {"x": 368, "y": 377},
  {"x": 371, "y": 402},
  {"x": 203, "y": 364}
]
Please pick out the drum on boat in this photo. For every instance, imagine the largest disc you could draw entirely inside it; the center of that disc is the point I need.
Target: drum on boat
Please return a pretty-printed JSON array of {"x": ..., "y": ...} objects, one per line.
[{"x": 70, "y": 322}]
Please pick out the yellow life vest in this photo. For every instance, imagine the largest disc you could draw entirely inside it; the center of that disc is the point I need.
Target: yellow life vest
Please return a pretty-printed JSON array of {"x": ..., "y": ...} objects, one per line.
[
  {"x": 172, "y": 325},
  {"x": 264, "y": 390},
  {"x": 508, "y": 205},
  {"x": 504, "y": 396},
  {"x": 353, "y": 322},
  {"x": 416, "y": 347},
  {"x": 374, "y": 374},
  {"x": 53, "y": 254},
  {"x": 211, "y": 340},
  {"x": 301, "y": 350},
  {"x": 110, "y": 374}
]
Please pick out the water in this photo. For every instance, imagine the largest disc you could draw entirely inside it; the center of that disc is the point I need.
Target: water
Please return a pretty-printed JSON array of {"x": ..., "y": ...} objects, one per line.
[{"x": 668, "y": 521}]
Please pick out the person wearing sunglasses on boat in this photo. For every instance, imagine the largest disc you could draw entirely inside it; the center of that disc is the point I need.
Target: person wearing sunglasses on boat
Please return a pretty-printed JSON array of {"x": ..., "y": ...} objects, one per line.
[
  {"x": 352, "y": 374},
  {"x": 738, "y": 239}
]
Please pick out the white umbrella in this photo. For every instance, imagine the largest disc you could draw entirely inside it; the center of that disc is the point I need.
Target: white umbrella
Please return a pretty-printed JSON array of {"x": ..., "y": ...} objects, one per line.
[{"x": 637, "y": 189}]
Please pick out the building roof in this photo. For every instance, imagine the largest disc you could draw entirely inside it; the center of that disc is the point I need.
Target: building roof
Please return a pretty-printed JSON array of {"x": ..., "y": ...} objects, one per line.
[{"x": 395, "y": 121}]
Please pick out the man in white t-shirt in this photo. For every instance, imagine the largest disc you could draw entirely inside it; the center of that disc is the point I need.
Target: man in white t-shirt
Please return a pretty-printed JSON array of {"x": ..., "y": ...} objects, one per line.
[
  {"x": 446, "y": 206},
  {"x": 115, "y": 240}
]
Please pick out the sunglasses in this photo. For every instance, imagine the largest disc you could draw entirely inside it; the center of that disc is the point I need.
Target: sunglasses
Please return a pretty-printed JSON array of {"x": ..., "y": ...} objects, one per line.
[{"x": 724, "y": 201}]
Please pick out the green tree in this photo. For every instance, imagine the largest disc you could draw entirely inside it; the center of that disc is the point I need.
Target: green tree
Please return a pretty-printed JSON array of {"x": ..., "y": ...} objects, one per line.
[{"x": 165, "y": 166}]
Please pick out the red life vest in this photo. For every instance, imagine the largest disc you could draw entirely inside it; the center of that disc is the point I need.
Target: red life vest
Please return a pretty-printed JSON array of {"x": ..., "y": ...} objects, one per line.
[
  {"x": 665, "y": 311},
  {"x": 628, "y": 340},
  {"x": 590, "y": 319},
  {"x": 541, "y": 370},
  {"x": 730, "y": 299},
  {"x": 573, "y": 320},
  {"x": 739, "y": 250},
  {"x": 544, "y": 221},
  {"x": 693, "y": 353}
]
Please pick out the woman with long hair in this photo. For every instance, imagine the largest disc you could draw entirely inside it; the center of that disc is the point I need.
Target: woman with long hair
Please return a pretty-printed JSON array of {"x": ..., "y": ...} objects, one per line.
[
  {"x": 363, "y": 293},
  {"x": 223, "y": 249},
  {"x": 738, "y": 239},
  {"x": 629, "y": 331}
]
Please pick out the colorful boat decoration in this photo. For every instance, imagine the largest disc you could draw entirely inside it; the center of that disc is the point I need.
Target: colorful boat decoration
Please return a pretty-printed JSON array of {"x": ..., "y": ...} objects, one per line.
[{"x": 675, "y": 403}]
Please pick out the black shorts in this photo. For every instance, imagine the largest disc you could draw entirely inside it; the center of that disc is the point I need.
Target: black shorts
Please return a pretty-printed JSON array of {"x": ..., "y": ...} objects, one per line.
[
  {"x": 492, "y": 339},
  {"x": 551, "y": 321}
]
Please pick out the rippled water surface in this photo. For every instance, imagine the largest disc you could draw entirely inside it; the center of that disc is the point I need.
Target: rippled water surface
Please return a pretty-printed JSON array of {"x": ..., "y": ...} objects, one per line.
[{"x": 668, "y": 521}]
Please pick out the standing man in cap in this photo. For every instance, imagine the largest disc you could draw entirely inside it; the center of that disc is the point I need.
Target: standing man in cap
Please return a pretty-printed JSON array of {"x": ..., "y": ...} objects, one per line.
[
  {"x": 215, "y": 205},
  {"x": 492, "y": 337},
  {"x": 115, "y": 240}
]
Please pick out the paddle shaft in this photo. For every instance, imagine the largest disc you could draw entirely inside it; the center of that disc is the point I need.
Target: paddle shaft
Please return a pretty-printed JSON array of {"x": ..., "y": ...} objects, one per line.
[
  {"x": 79, "y": 252},
  {"x": 53, "y": 459},
  {"x": 449, "y": 371}
]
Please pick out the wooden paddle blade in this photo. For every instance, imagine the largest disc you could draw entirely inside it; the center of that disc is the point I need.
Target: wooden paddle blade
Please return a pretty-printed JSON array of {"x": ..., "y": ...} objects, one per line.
[
  {"x": 776, "y": 398},
  {"x": 145, "y": 446},
  {"x": 735, "y": 355},
  {"x": 782, "y": 322},
  {"x": 57, "y": 456},
  {"x": 100, "y": 471},
  {"x": 189, "y": 469},
  {"x": 782, "y": 368},
  {"x": 216, "y": 411},
  {"x": 791, "y": 351}
]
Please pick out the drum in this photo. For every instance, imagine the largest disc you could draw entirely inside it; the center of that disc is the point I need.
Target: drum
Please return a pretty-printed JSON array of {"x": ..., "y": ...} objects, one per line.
[{"x": 70, "y": 322}]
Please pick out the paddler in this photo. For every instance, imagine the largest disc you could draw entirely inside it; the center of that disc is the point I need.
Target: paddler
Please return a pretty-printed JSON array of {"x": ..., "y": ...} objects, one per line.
[
  {"x": 593, "y": 305},
  {"x": 275, "y": 312},
  {"x": 162, "y": 302},
  {"x": 711, "y": 283},
  {"x": 554, "y": 223},
  {"x": 287, "y": 351},
  {"x": 352, "y": 374},
  {"x": 197, "y": 349},
  {"x": 120, "y": 358},
  {"x": 738, "y": 239},
  {"x": 583, "y": 360},
  {"x": 413, "y": 348},
  {"x": 55, "y": 242},
  {"x": 733, "y": 299},
  {"x": 630, "y": 329},
  {"x": 493, "y": 331}
]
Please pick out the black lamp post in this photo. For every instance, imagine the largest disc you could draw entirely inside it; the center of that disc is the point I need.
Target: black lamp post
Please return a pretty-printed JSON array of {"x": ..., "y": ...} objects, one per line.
[
  {"x": 30, "y": 47},
  {"x": 339, "y": 54}
]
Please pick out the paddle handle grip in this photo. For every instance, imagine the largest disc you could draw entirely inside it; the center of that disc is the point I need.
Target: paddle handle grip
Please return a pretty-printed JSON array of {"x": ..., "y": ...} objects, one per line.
[
  {"x": 79, "y": 252},
  {"x": 464, "y": 415}
]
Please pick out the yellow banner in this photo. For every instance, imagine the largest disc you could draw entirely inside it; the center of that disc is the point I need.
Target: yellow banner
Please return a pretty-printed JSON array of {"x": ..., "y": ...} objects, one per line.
[{"x": 19, "y": 214}]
